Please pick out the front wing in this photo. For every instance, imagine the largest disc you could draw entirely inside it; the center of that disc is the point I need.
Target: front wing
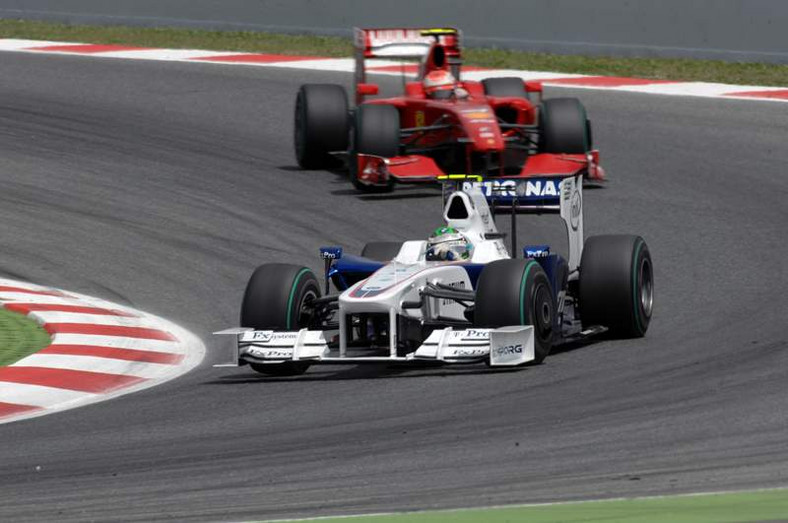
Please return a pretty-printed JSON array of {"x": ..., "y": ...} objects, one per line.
[
  {"x": 504, "y": 347},
  {"x": 375, "y": 170}
]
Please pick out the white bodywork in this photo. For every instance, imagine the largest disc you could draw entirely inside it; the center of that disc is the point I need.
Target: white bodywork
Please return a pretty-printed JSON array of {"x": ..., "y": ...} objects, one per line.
[
  {"x": 408, "y": 274},
  {"x": 403, "y": 280},
  {"x": 503, "y": 347}
]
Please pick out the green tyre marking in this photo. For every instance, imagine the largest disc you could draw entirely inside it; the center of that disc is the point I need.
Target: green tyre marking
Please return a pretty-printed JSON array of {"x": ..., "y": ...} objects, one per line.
[
  {"x": 292, "y": 294},
  {"x": 522, "y": 290}
]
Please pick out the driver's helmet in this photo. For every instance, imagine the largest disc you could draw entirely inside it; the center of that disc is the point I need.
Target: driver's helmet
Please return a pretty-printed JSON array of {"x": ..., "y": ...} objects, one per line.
[
  {"x": 439, "y": 84},
  {"x": 446, "y": 244}
]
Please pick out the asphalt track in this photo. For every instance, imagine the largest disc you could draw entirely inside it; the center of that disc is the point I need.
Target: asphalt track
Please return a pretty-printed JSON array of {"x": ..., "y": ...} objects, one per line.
[{"x": 163, "y": 185}]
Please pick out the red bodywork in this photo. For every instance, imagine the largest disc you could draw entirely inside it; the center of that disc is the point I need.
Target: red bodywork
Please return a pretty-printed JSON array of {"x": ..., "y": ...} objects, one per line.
[{"x": 494, "y": 134}]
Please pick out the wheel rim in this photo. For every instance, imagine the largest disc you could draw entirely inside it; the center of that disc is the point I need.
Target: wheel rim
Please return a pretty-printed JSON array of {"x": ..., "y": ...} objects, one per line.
[
  {"x": 546, "y": 313},
  {"x": 305, "y": 311},
  {"x": 543, "y": 320},
  {"x": 646, "y": 279}
]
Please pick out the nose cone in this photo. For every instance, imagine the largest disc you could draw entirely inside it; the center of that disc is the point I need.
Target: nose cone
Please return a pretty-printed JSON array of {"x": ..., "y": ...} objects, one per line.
[{"x": 481, "y": 128}]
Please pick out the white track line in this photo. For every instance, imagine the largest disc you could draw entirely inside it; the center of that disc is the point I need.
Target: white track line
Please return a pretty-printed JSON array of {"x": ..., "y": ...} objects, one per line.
[
  {"x": 432, "y": 514},
  {"x": 525, "y": 75},
  {"x": 39, "y": 395},
  {"x": 172, "y": 55},
  {"x": 137, "y": 369},
  {"x": 42, "y": 299},
  {"x": 695, "y": 89},
  {"x": 95, "y": 319},
  {"x": 14, "y": 44},
  {"x": 118, "y": 342}
]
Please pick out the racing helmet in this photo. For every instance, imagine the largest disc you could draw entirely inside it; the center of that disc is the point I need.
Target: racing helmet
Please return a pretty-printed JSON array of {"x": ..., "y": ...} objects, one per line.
[
  {"x": 439, "y": 84},
  {"x": 447, "y": 244}
]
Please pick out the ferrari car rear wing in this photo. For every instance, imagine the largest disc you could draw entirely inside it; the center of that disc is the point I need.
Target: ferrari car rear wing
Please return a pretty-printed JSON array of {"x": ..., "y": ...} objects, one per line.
[
  {"x": 501, "y": 347},
  {"x": 404, "y": 42}
]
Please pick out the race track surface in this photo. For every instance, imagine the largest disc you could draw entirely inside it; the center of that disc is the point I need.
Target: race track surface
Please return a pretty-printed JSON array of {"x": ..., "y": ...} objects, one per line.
[{"x": 162, "y": 186}]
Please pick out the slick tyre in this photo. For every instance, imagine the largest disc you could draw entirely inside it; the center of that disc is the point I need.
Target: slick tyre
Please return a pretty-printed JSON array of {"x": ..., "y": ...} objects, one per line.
[
  {"x": 517, "y": 292},
  {"x": 321, "y": 125},
  {"x": 376, "y": 132},
  {"x": 381, "y": 251},
  {"x": 504, "y": 87},
  {"x": 617, "y": 285},
  {"x": 277, "y": 298},
  {"x": 564, "y": 127}
]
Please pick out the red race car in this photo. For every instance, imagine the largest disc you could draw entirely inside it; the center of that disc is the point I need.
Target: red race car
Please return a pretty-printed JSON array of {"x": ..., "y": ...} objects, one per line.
[{"x": 441, "y": 124}]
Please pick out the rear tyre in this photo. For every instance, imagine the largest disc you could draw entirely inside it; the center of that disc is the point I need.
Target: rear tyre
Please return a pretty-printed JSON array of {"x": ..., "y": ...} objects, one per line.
[
  {"x": 321, "y": 125},
  {"x": 277, "y": 298},
  {"x": 564, "y": 127},
  {"x": 505, "y": 87},
  {"x": 508, "y": 87},
  {"x": 381, "y": 251},
  {"x": 375, "y": 131},
  {"x": 617, "y": 284},
  {"x": 517, "y": 292}
]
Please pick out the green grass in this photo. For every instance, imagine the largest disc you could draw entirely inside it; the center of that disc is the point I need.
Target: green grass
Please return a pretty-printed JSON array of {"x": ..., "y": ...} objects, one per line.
[
  {"x": 177, "y": 38},
  {"x": 656, "y": 68},
  {"x": 245, "y": 41},
  {"x": 766, "y": 505},
  {"x": 19, "y": 337}
]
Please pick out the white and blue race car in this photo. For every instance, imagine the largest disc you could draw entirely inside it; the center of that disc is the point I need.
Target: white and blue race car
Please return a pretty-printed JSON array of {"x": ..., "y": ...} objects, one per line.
[{"x": 419, "y": 301}]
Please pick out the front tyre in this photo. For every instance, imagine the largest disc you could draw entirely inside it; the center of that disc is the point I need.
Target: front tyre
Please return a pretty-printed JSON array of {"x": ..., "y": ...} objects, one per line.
[
  {"x": 509, "y": 87},
  {"x": 564, "y": 127},
  {"x": 517, "y": 292},
  {"x": 375, "y": 132},
  {"x": 278, "y": 297},
  {"x": 617, "y": 284},
  {"x": 321, "y": 124}
]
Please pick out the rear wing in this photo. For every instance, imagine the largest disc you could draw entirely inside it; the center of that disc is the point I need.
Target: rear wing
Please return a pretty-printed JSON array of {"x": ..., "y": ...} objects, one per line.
[
  {"x": 404, "y": 43},
  {"x": 413, "y": 43},
  {"x": 561, "y": 195}
]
